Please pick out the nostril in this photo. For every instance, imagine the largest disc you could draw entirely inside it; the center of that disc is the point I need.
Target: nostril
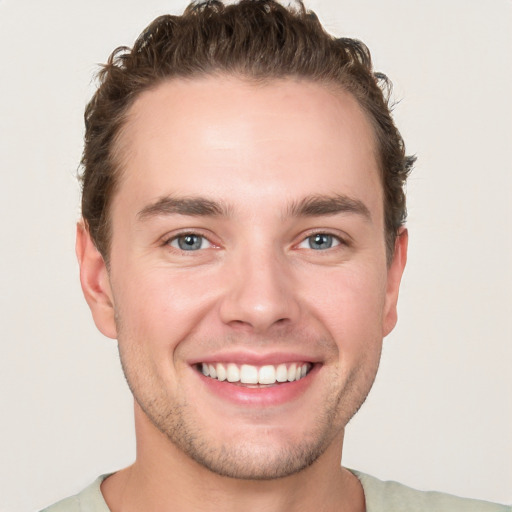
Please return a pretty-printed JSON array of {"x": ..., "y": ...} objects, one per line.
[
  {"x": 248, "y": 326},
  {"x": 240, "y": 325}
]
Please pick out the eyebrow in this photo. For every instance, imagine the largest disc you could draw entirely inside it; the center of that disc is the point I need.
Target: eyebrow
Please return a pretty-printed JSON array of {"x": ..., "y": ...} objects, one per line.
[
  {"x": 318, "y": 205},
  {"x": 191, "y": 206},
  {"x": 310, "y": 206}
]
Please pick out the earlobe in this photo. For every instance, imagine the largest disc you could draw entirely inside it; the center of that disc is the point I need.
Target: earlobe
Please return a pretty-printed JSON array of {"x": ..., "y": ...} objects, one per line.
[
  {"x": 395, "y": 272},
  {"x": 95, "y": 282}
]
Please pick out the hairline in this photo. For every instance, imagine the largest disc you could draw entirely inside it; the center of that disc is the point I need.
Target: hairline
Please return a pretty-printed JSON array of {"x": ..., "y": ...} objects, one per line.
[{"x": 119, "y": 154}]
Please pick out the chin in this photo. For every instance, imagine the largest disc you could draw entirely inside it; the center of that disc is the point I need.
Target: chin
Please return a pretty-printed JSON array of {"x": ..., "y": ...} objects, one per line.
[
  {"x": 249, "y": 460},
  {"x": 249, "y": 451}
]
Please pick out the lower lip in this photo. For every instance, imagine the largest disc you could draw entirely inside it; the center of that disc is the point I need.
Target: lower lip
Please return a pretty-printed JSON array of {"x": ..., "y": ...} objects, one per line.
[{"x": 259, "y": 396}]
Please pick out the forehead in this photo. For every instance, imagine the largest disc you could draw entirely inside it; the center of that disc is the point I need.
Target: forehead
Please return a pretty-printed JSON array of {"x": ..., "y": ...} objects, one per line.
[{"x": 234, "y": 140}]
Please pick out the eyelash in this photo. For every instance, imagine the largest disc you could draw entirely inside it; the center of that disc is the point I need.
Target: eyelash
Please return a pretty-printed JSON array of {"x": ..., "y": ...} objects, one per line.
[
  {"x": 175, "y": 237},
  {"x": 341, "y": 241}
]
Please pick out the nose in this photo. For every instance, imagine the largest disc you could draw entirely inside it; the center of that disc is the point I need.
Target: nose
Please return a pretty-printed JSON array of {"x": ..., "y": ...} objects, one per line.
[{"x": 260, "y": 292}]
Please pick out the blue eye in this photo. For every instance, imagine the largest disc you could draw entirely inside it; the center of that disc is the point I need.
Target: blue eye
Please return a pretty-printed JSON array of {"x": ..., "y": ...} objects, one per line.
[
  {"x": 319, "y": 242},
  {"x": 190, "y": 242}
]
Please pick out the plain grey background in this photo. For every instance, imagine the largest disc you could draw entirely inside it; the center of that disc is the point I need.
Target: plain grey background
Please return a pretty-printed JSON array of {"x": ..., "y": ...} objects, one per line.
[{"x": 440, "y": 414}]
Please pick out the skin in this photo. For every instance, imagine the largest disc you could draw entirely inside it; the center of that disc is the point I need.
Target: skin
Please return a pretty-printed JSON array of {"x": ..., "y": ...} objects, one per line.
[{"x": 256, "y": 286}]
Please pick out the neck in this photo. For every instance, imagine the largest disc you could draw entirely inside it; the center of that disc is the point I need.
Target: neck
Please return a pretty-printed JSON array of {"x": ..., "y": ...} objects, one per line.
[{"x": 164, "y": 478}]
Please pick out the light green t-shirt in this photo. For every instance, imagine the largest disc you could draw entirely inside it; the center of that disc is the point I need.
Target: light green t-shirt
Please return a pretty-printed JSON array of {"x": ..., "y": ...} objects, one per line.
[{"x": 380, "y": 497}]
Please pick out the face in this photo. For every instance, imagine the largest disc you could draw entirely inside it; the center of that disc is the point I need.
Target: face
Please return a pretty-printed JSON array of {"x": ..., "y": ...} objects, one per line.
[{"x": 248, "y": 285}]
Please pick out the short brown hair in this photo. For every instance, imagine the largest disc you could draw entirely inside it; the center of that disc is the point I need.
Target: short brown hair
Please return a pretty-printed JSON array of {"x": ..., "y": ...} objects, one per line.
[{"x": 255, "y": 39}]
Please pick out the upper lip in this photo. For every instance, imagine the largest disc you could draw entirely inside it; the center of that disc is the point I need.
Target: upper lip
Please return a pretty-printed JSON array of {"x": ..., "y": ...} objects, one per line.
[{"x": 255, "y": 359}]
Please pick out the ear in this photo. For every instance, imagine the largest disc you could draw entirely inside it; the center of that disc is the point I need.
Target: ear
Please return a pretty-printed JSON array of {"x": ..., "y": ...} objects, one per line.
[
  {"x": 95, "y": 282},
  {"x": 395, "y": 272}
]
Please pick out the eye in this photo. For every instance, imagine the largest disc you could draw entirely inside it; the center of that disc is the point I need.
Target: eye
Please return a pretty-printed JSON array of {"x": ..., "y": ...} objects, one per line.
[
  {"x": 189, "y": 242},
  {"x": 319, "y": 242}
]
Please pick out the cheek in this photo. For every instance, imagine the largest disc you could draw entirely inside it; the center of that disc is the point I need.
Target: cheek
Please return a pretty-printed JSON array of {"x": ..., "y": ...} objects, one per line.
[
  {"x": 160, "y": 306},
  {"x": 351, "y": 306}
]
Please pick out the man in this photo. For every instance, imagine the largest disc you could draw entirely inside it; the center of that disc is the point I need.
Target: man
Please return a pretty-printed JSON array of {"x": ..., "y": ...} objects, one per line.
[{"x": 243, "y": 238}]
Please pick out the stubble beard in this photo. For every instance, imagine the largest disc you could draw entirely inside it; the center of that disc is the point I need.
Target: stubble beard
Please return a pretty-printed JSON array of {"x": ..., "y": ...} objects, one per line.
[{"x": 247, "y": 459}]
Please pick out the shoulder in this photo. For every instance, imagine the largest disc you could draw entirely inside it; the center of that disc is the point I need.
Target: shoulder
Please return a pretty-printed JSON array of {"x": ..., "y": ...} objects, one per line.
[
  {"x": 89, "y": 500},
  {"x": 394, "y": 497}
]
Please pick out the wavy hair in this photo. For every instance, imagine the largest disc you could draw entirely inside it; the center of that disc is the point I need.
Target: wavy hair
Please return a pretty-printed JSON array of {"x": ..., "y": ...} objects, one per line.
[{"x": 254, "y": 39}]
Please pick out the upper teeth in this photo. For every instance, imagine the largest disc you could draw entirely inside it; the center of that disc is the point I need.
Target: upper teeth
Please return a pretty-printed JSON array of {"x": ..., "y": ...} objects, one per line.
[{"x": 249, "y": 374}]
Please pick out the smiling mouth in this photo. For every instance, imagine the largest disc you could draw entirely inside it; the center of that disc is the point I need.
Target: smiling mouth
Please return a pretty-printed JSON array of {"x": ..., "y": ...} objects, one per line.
[{"x": 249, "y": 375}]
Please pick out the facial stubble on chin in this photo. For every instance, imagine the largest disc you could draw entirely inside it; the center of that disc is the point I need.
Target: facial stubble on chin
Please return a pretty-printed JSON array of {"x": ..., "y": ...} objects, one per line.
[{"x": 245, "y": 458}]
